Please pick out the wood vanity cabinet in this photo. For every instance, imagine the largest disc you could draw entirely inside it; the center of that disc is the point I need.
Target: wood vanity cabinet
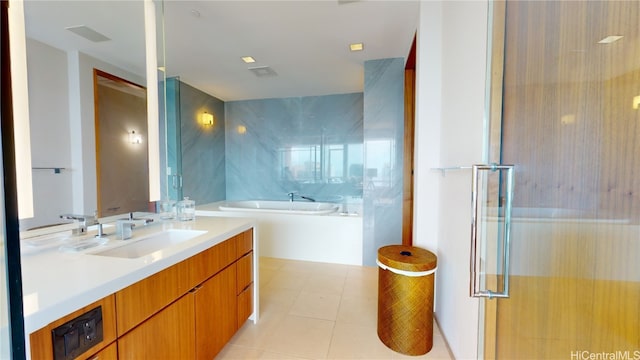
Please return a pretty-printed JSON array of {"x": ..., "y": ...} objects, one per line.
[
  {"x": 244, "y": 280},
  {"x": 205, "y": 315},
  {"x": 187, "y": 311}
]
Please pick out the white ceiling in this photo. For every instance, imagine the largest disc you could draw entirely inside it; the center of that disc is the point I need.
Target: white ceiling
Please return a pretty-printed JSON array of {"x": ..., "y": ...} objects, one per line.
[{"x": 305, "y": 42}]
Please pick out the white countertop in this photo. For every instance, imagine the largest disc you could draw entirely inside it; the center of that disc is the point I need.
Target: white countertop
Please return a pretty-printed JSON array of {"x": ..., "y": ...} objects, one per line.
[{"x": 57, "y": 283}]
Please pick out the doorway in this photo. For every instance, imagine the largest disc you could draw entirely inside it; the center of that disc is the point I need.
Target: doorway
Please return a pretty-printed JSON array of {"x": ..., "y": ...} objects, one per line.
[
  {"x": 121, "y": 145},
  {"x": 565, "y": 110}
]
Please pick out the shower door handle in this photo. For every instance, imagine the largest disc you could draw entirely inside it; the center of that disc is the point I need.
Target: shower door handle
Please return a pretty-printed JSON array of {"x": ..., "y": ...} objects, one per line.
[{"x": 476, "y": 265}]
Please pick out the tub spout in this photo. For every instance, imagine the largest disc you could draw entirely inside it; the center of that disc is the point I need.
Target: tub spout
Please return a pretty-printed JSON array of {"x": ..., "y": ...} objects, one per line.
[{"x": 308, "y": 198}]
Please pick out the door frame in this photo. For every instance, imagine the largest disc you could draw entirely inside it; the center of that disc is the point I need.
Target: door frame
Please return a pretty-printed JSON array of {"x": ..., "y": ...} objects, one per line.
[
  {"x": 409, "y": 135},
  {"x": 493, "y": 138}
]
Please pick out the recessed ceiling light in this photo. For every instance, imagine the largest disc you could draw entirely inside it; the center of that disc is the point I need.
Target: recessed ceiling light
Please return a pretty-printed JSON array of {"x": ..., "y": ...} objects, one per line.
[
  {"x": 248, "y": 59},
  {"x": 356, "y": 47},
  {"x": 609, "y": 39}
]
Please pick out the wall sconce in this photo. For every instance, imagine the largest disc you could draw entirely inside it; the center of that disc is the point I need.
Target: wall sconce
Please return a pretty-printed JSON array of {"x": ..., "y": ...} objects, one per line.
[
  {"x": 135, "y": 138},
  {"x": 207, "y": 119}
]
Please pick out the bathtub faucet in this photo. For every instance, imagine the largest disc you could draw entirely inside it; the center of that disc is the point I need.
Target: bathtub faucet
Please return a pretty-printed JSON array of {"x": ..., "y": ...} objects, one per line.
[{"x": 293, "y": 194}]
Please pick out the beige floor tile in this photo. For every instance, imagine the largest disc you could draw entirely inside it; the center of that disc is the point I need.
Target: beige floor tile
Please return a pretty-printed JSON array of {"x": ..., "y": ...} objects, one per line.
[
  {"x": 271, "y": 263},
  {"x": 301, "y": 336},
  {"x": 266, "y": 275},
  {"x": 357, "y": 342},
  {"x": 234, "y": 352},
  {"x": 268, "y": 355},
  {"x": 358, "y": 311},
  {"x": 325, "y": 284},
  {"x": 288, "y": 279},
  {"x": 359, "y": 285},
  {"x": 257, "y": 336},
  {"x": 317, "y": 306},
  {"x": 334, "y": 269},
  {"x": 277, "y": 299},
  {"x": 317, "y": 311},
  {"x": 300, "y": 266},
  {"x": 317, "y": 268}
]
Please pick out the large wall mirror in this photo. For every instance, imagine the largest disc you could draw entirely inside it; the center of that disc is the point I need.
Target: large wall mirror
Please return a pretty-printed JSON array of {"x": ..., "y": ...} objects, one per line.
[
  {"x": 122, "y": 158},
  {"x": 66, "y": 41}
]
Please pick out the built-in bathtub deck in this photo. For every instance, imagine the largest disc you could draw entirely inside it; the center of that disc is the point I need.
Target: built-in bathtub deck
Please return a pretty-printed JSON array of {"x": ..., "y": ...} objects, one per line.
[{"x": 331, "y": 238}]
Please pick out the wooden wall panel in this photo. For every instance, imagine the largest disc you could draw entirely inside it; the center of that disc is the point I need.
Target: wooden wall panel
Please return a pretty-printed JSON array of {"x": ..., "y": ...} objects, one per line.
[{"x": 568, "y": 124}]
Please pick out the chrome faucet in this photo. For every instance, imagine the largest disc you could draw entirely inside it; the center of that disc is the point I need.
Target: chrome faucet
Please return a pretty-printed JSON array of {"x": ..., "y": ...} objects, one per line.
[
  {"x": 124, "y": 227},
  {"x": 82, "y": 220},
  {"x": 293, "y": 194}
]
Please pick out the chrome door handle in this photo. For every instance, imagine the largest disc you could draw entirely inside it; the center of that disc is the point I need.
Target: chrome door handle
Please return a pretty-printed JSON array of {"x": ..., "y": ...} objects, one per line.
[{"x": 476, "y": 270}]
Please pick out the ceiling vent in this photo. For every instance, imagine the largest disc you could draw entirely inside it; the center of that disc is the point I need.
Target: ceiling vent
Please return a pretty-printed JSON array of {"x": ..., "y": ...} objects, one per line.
[
  {"x": 261, "y": 71},
  {"x": 87, "y": 33}
]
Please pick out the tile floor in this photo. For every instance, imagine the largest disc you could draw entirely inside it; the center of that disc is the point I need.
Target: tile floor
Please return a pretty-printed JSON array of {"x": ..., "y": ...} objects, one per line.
[{"x": 317, "y": 311}]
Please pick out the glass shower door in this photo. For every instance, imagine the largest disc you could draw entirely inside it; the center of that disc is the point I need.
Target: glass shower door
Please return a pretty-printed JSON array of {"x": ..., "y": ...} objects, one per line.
[{"x": 565, "y": 110}]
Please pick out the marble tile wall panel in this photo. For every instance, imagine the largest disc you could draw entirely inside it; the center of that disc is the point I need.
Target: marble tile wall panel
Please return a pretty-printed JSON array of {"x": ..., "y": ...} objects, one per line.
[
  {"x": 383, "y": 141},
  {"x": 263, "y": 135},
  {"x": 202, "y": 147},
  {"x": 170, "y": 130}
]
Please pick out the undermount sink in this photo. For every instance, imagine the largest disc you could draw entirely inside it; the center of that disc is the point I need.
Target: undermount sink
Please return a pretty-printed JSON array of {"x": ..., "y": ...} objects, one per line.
[{"x": 149, "y": 244}]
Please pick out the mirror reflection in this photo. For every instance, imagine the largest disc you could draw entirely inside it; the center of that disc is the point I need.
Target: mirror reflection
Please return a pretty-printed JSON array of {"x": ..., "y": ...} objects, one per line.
[
  {"x": 122, "y": 160},
  {"x": 66, "y": 41},
  {"x": 292, "y": 120}
]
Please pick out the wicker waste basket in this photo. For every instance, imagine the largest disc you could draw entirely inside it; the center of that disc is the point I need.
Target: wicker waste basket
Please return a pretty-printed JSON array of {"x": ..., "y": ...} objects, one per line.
[{"x": 405, "y": 298}]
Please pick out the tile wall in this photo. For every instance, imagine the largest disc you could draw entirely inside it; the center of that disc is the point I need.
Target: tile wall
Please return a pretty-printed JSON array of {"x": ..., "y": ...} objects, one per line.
[
  {"x": 202, "y": 148},
  {"x": 383, "y": 143},
  {"x": 330, "y": 148},
  {"x": 309, "y": 145}
]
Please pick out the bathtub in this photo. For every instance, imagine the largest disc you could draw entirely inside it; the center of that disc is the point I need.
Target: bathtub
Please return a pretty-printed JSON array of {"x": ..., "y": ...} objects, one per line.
[
  {"x": 283, "y": 207},
  {"x": 321, "y": 234}
]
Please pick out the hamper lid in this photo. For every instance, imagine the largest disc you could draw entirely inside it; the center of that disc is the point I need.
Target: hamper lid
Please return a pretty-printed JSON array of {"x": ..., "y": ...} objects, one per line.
[{"x": 407, "y": 258}]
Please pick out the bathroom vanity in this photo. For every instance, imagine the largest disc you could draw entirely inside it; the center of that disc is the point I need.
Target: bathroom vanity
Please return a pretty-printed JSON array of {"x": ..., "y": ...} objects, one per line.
[{"x": 185, "y": 300}]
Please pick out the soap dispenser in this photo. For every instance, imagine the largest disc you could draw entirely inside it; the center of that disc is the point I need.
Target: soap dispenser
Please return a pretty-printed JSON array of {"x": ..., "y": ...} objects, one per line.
[{"x": 186, "y": 209}]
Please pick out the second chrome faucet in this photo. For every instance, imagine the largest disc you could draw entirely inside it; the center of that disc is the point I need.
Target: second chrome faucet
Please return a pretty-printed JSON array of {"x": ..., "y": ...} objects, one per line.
[{"x": 293, "y": 194}]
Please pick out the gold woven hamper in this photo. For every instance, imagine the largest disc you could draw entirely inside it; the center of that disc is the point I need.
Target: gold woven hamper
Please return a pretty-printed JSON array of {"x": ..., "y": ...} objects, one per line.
[{"x": 405, "y": 298}]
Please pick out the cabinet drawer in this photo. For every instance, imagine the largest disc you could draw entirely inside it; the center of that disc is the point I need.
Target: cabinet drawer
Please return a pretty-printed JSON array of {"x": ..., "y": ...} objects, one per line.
[
  {"x": 245, "y": 272},
  {"x": 211, "y": 261},
  {"x": 141, "y": 300},
  {"x": 244, "y": 242},
  {"x": 245, "y": 305},
  {"x": 167, "y": 335}
]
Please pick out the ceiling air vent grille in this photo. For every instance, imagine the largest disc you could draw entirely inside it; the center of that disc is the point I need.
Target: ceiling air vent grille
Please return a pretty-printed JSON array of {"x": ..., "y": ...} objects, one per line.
[
  {"x": 87, "y": 33},
  {"x": 261, "y": 71}
]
